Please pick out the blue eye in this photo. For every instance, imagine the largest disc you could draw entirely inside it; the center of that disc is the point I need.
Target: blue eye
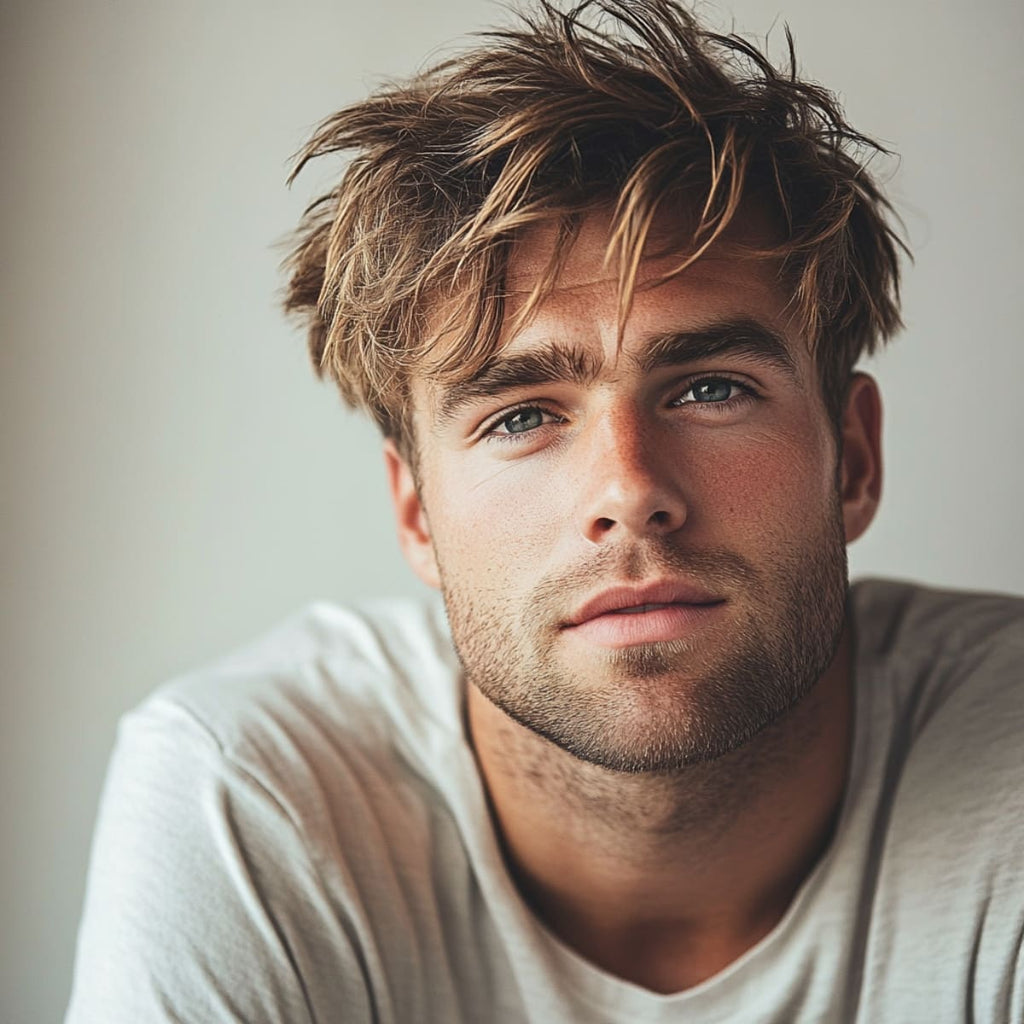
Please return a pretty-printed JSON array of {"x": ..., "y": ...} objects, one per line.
[
  {"x": 522, "y": 420},
  {"x": 522, "y": 424},
  {"x": 712, "y": 391}
]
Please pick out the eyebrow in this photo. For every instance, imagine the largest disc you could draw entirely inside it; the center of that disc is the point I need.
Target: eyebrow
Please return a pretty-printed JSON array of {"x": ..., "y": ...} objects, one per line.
[
  {"x": 746, "y": 338},
  {"x": 575, "y": 364}
]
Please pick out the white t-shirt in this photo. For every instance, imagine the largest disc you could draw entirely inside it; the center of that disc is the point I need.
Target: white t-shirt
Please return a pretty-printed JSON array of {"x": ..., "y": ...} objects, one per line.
[{"x": 299, "y": 833}]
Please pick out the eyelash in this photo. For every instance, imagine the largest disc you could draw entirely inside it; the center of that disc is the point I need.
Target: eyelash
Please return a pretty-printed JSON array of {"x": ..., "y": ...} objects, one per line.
[
  {"x": 490, "y": 432},
  {"x": 745, "y": 391}
]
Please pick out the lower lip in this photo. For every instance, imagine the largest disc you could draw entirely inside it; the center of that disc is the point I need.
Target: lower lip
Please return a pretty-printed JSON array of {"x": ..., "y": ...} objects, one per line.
[{"x": 624, "y": 629}]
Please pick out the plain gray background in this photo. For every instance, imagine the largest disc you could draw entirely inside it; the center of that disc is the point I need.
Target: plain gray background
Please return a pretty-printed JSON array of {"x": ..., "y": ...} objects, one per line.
[{"x": 175, "y": 480}]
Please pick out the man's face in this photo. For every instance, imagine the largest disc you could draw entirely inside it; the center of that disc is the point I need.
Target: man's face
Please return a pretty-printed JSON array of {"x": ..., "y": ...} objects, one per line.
[{"x": 642, "y": 548}]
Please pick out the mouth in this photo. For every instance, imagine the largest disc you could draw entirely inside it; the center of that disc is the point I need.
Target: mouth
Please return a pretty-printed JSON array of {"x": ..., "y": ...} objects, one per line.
[
  {"x": 639, "y": 609},
  {"x": 658, "y": 612}
]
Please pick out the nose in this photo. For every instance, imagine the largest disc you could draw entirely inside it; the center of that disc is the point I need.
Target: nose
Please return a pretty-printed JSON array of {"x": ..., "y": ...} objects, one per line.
[{"x": 632, "y": 479}]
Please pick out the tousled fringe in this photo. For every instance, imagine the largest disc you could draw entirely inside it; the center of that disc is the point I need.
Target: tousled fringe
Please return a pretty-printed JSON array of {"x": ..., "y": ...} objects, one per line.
[{"x": 624, "y": 104}]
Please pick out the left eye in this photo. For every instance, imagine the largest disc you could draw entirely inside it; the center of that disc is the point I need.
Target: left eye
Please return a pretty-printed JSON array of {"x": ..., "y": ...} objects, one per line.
[
  {"x": 710, "y": 391},
  {"x": 521, "y": 421}
]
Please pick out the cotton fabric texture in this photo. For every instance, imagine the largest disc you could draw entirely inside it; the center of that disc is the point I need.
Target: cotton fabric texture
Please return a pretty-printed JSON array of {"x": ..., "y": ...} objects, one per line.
[{"x": 299, "y": 833}]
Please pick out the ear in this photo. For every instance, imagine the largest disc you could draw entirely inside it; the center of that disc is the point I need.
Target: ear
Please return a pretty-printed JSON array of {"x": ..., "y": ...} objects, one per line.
[
  {"x": 861, "y": 458},
  {"x": 413, "y": 530}
]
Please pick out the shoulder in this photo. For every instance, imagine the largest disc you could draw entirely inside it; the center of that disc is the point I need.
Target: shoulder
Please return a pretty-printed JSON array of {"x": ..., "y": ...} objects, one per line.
[
  {"x": 249, "y": 807},
  {"x": 328, "y": 680},
  {"x": 946, "y": 675},
  {"x": 933, "y": 649},
  {"x": 330, "y": 722},
  {"x": 943, "y": 673},
  {"x": 896, "y": 619},
  {"x": 949, "y": 664},
  {"x": 334, "y": 703}
]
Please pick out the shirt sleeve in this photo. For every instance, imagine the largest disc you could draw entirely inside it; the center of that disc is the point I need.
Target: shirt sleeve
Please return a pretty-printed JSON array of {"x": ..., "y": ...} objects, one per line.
[{"x": 202, "y": 902}]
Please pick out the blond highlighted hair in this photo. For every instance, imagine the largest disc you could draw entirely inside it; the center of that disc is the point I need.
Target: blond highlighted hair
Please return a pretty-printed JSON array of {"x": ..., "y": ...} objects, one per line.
[{"x": 625, "y": 104}]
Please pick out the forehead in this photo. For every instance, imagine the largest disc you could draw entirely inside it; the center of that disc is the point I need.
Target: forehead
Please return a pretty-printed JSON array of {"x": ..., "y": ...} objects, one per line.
[
  {"x": 581, "y": 311},
  {"x": 720, "y": 284}
]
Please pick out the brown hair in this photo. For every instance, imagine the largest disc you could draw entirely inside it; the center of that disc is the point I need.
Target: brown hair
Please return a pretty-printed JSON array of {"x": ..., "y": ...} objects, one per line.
[{"x": 629, "y": 104}]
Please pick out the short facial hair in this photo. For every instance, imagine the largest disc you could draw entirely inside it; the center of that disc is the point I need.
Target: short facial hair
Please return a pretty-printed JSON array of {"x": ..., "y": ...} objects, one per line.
[{"x": 674, "y": 703}]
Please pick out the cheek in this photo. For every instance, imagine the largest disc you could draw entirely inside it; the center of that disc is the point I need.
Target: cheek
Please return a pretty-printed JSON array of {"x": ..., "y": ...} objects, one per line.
[
  {"x": 770, "y": 485},
  {"x": 502, "y": 520}
]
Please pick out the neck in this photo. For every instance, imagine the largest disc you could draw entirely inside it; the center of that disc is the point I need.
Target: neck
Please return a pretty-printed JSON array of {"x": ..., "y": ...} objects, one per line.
[{"x": 666, "y": 878}]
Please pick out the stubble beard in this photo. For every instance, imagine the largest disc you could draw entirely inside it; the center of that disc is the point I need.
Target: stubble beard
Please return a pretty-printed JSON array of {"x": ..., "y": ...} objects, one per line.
[{"x": 659, "y": 707}]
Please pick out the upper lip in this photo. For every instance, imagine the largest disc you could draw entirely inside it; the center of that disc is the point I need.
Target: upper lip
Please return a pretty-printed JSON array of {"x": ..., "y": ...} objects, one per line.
[{"x": 632, "y": 596}]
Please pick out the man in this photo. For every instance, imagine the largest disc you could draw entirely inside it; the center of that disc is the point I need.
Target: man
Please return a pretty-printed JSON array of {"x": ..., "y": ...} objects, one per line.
[{"x": 603, "y": 283}]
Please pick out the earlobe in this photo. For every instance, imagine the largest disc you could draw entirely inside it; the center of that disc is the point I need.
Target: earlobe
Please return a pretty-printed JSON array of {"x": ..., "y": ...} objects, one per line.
[
  {"x": 413, "y": 529},
  {"x": 861, "y": 457}
]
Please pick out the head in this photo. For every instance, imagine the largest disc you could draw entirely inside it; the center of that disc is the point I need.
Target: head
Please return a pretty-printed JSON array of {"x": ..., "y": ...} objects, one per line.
[{"x": 644, "y": 221}]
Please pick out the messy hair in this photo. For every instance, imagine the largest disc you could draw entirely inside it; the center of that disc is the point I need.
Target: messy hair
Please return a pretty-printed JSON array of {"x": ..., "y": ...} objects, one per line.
[{"x": 630, "y": 105}]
